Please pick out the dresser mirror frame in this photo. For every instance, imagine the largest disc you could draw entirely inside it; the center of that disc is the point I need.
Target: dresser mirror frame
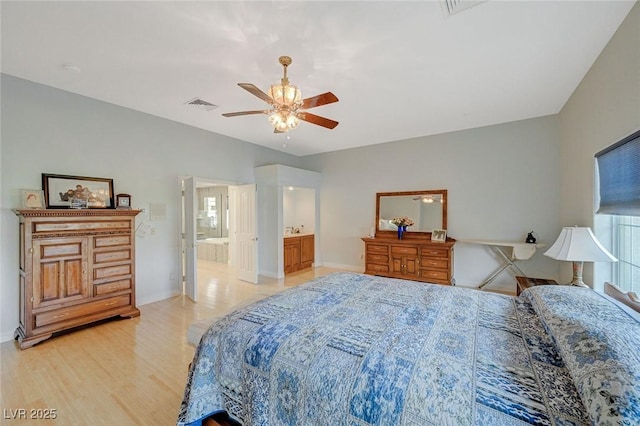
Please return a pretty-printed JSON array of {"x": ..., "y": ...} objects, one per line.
[{"x": 388, "y": 196}]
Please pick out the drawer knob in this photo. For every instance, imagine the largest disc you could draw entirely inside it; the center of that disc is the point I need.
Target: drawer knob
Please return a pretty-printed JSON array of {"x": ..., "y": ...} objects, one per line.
[{"x": 61, "y": 316}]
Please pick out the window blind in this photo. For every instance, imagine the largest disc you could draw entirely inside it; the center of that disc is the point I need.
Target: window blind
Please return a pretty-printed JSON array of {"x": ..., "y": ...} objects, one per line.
[{"x": 619, "y": 175}]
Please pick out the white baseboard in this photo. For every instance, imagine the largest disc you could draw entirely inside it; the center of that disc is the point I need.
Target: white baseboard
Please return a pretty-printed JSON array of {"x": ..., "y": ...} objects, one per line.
[
  {"x": 350, "y": 268},
  {"x": 156, "y": 297},
  {"x": 269, "y": 274},
  {"x": 6, "y": 336}
]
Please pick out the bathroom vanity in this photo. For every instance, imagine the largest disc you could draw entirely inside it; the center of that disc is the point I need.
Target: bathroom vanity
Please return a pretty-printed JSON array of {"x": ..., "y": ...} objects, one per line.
[{"x": 298, "y": 252}]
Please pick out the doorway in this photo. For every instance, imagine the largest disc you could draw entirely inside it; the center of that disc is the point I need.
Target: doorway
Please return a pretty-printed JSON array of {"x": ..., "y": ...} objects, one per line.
[{"x": 216, "y": 222}]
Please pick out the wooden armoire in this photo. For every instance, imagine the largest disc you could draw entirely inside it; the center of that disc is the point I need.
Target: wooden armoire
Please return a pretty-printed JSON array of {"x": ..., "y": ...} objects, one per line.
[{"x": 76, "y": 267}]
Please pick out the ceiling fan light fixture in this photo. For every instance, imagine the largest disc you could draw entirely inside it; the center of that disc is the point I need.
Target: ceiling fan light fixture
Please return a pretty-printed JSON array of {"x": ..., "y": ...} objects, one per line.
[
  {"x": 285, "y": 95},
  {"x": 287, "y": 108},
  {"x": 283, "y": 120}
]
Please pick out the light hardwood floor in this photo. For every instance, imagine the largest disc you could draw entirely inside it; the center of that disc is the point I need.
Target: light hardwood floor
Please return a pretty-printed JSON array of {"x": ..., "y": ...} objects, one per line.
[{"x": 123, "y": 372}]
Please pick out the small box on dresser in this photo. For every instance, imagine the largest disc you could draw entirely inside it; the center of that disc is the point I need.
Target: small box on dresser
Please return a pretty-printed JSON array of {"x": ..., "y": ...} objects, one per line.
[{"x": 76, "y": 267}]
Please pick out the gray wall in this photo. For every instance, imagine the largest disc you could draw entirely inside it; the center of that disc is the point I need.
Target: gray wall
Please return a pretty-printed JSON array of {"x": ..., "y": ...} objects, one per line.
[
  {"x": 502, "y": 182},
  {"x": 52, "y": 131},
  {"x": 604, "y": 108}
]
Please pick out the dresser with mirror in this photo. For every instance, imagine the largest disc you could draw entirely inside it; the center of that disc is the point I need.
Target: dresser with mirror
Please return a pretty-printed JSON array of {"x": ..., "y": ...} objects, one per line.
[{"x": 415, "y": 256}]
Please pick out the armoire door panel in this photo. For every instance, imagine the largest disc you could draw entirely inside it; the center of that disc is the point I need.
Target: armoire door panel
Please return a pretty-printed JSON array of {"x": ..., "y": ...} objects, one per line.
[
  {"x": 73, "y": 279},
  {"x": 49, "y": 283}
]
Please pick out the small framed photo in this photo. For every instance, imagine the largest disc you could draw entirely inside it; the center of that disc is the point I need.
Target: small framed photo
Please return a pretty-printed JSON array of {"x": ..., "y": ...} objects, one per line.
[
  {"x": 32, "y": 198},
  {"x": 64, "y": 191},
  {"x": 439, "y": 235},
  {"x": 123, "y": 201}
]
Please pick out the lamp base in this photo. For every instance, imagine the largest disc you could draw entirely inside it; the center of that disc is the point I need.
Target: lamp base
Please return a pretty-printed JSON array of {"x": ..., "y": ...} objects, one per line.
[
  {"x": 578, "y": 284},
  {"x": 577, "y": 275}
]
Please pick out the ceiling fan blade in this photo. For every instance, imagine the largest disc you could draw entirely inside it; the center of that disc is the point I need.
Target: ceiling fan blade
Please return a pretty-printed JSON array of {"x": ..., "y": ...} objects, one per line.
[
  {"x": 316, "y": 119},
  {"x": 319, "y": 100},
  {"x": 235, "y": 114},
  {"x": 256, "y": 92}
]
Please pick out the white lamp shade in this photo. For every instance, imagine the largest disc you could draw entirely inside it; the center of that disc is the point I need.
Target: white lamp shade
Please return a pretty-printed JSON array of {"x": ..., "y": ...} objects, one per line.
[{"x": 578, "y": 244}]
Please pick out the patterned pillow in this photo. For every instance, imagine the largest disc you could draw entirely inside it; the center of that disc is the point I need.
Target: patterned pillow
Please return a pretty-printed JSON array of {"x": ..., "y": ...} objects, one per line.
[{"x": 600, "y": 345}]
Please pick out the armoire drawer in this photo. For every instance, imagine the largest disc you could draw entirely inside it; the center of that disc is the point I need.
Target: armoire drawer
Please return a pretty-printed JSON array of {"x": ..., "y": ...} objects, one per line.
[
  {"x": 119, "y": 255},
  {"x": 111, "y": 287},
  {"x": 112, "y": 271},
  {"x": 73, "y": 312}
]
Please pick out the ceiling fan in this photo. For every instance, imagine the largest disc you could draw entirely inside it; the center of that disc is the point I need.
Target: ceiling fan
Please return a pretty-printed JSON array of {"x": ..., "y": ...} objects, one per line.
[{"x": 287, "y": 107}]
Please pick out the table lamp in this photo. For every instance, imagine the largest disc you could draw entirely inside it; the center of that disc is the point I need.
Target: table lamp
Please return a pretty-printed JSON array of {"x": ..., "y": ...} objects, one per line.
[{"x": 578, "y": 244}]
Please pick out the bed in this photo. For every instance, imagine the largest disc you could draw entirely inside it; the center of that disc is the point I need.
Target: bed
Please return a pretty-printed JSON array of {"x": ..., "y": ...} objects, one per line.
[{"x": 353, "y": 349}]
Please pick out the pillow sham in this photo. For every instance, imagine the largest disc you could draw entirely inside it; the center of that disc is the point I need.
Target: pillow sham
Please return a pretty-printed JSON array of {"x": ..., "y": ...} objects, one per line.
[{"x": 600, "y": 345}]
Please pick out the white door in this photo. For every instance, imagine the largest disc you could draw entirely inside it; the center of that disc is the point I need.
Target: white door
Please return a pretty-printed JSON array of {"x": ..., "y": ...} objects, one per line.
[
  {"x": 190, "y": 269},
  {"x": 245, "y": 232}
]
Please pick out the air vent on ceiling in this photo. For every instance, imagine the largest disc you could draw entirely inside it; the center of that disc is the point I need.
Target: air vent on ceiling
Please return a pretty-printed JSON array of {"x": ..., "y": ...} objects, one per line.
[
  {"x": 451, "y": 7},
  {"x": 201, "y": 104}
]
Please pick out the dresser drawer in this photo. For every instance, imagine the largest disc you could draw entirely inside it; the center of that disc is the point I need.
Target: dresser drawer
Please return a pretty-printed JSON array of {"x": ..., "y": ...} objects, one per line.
[
  {"x": 435, "y": 263},
  {"x": 373, "y": 267},
  {"x": 111, "y": 287},
  {"x": 73, "y": 312},
  {"x": 377, "y": 258},
  {"x": 404, "y": 250},
  {"x": 435, "y": 252},
  {"x": 372, "y": 248},
  {"x": 433, "y": 274}
]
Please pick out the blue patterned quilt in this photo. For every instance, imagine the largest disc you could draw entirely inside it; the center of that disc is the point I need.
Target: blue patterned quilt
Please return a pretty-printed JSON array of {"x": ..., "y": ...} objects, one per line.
[{"x": 351, "y": 349}]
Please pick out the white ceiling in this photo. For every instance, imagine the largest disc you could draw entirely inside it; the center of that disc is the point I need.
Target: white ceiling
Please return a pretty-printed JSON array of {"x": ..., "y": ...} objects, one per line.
[{"x": 400, "y": 69}]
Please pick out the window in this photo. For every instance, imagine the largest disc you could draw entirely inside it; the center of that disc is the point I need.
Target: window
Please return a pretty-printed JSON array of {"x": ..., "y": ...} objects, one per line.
[
  {"x": 626, "y": 247},
  {"x": 212, "y": 211},
  {"x": 618, "y": 191}
]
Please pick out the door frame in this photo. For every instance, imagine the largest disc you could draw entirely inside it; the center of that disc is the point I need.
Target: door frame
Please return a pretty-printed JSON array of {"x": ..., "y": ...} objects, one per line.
[{"x": 184, "y": 211}]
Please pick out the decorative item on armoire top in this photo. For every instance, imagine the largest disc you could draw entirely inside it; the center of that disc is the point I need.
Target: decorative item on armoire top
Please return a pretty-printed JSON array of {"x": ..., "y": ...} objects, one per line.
[
  {"x": 123, "y": 201},
  {"x": 530, "y": 238},
  {"x": 61, "y": 190},
  {"x": 32, "y": 199}
]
